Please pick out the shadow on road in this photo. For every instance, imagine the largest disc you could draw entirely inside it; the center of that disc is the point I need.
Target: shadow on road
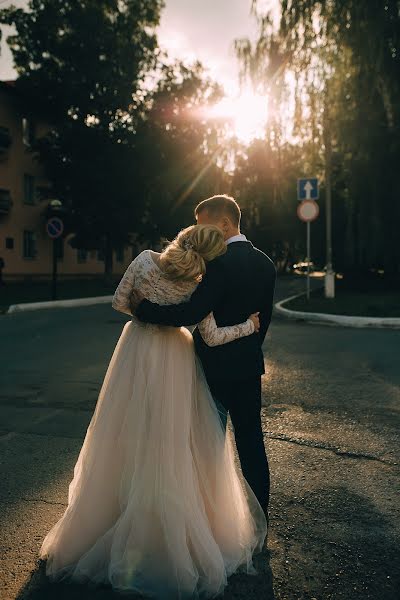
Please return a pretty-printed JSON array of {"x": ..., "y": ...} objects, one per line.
[
  {"x": 240, "y": 586},
  {"x": 336, "y": 544}
]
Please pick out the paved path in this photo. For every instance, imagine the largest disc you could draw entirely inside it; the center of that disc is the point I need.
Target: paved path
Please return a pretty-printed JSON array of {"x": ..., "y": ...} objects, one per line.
[{"x": 331, "y": 422}]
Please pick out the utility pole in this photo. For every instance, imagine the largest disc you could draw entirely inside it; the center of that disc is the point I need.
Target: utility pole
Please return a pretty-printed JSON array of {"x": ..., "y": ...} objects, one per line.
[
  {"x": 329, "y": 274},
  {"x": 308, "y": 257}
]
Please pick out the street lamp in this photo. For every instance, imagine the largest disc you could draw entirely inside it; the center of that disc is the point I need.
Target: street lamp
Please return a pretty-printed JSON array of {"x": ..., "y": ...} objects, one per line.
[{"x": 55, "y": 205}]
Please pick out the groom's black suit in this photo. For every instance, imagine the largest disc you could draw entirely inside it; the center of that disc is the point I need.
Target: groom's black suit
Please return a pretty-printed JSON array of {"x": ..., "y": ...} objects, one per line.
[{"x": 236, "y": 284}]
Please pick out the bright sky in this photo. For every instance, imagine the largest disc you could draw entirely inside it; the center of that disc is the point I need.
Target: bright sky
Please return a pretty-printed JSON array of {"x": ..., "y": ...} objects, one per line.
[
  {"x": 207, "y": 30},
  {"x": 189, "y": 29}
]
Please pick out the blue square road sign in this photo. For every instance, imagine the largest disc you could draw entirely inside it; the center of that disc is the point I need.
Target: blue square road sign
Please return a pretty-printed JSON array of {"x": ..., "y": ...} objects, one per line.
[{"x": 307, "y": 188}]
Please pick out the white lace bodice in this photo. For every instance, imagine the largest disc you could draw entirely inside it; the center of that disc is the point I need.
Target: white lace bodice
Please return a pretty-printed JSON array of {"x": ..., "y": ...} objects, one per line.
[{"x": 144, "y": 275}]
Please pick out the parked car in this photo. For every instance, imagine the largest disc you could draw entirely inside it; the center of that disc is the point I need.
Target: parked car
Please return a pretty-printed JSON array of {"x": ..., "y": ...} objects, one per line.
[{"x": 301, "y": 268}]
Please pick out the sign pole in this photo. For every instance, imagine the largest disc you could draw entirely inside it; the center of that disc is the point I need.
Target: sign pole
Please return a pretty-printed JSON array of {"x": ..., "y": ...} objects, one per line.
[
  {"x": 308, "y": 211},
  {"x": 55, "y": 228},
  {"x": 308, "y": 257},
  {"x": 54, "y": 276}
]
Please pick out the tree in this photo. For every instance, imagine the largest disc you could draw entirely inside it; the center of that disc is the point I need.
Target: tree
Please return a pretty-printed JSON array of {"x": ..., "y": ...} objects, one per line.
[
  {"x": 83, "y": 66},
  {"x": 177, "y": 148},
  {"x": 337, "y": 64}
]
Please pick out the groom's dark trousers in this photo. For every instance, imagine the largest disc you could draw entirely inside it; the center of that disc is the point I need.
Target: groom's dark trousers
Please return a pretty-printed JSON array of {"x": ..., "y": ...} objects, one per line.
[
  {"x": 243, "y": 401},
  {"x": 236, "y": 284}
]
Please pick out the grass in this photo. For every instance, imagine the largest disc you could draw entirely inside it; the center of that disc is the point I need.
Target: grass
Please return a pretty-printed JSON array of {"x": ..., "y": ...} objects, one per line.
[
  {"x": 38, "y": 291},
  {"x": 372, "y": 303}
]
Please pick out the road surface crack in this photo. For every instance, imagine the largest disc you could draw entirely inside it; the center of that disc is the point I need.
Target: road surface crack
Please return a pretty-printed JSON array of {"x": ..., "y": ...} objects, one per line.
[
  {"x": 22, "y": 499},
  {"x": 321, "y": 446}
]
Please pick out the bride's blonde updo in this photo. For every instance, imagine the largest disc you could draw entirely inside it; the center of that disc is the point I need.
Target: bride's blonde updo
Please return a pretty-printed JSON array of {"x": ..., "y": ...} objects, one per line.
[{"x": 185, "y": 257}]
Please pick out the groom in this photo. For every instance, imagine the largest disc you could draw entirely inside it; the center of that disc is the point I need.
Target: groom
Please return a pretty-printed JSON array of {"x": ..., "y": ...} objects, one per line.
[{"x": 236, "y": 284}]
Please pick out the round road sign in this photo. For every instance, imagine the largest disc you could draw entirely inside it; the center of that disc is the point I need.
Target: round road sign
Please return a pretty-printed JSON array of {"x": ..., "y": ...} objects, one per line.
[
  {"x": 308, "y": 210},
  {"x": 54, "y": 227}
]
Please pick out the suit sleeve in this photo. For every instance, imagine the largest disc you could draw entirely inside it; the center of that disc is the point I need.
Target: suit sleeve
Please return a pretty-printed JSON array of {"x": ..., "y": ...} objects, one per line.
[
  {"x": 202, "y": 302},
  {"x": 266, "y": 312}
]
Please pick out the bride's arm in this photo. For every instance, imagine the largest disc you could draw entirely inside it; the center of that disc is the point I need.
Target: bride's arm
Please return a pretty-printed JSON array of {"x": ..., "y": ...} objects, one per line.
[
  {"x": 121, "y": 296},
  {"x": 216, "y": 336}
]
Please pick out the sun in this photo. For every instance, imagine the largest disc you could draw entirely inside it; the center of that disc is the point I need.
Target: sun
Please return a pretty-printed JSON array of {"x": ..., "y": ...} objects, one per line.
[{"x": 247, "y": 113}]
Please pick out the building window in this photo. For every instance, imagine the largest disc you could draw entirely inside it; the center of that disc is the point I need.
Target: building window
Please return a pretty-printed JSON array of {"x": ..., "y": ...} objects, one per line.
[
  {"x": 28, "y": 133},
  {"x": 120, "y": 254},
  {"x": 29, "y": 244},
  {"x": 29, "y": 189},
  {"x": 10, "y": 243},
  {"x": 81, "y": 254}
]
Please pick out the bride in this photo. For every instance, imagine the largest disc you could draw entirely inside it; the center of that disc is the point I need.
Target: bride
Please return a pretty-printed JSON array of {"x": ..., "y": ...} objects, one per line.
[{"x": 157, "y": 504}]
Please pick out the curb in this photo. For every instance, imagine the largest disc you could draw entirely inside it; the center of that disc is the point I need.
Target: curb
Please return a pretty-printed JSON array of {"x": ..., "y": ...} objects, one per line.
[
  {"x": 58, "y": 304},
  {"x": 329, "y": 319}
]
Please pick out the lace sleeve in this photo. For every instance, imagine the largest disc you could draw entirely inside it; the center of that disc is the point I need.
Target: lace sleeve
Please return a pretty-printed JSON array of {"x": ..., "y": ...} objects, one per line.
[
  {"x": 216, "y": 336},
  {"x": 120, "y": 299}
]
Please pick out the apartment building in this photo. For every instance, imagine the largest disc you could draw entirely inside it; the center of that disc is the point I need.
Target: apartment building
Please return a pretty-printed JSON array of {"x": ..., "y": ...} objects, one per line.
[{"x": 24, "y": 244}]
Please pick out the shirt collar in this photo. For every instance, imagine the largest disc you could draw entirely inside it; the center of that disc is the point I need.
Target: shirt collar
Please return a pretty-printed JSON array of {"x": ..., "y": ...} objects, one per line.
[{"x": 237, "y": 238}]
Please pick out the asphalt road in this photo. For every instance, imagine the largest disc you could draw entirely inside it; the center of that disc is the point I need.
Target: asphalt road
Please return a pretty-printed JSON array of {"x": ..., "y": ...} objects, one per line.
[{"x": 331, "y": 423}]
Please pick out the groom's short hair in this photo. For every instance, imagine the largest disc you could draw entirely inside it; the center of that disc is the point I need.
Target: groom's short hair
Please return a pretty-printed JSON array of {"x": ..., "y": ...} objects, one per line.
[{"x": 218, "y": 205}]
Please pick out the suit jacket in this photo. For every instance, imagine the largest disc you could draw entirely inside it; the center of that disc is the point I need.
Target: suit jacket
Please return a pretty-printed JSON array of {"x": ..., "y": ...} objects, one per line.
[{"x": 236, "y": 284}]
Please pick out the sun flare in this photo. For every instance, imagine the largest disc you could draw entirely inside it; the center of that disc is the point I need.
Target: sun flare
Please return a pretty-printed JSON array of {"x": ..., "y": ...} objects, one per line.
[{"x": 247, "y": 113}]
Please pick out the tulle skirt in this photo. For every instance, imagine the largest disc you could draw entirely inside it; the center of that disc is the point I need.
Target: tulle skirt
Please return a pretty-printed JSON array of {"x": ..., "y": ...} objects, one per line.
[{"x": 157, "y": 504}]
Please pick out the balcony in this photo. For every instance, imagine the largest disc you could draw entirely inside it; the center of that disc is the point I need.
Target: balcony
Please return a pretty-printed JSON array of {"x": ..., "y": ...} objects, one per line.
[
  {"x": 5, "y": 202},
  {"x": 5, "y": 139}
]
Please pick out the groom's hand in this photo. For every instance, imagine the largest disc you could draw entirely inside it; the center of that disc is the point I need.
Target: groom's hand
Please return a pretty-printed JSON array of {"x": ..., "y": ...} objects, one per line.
[{"x": 135, "y": 299}]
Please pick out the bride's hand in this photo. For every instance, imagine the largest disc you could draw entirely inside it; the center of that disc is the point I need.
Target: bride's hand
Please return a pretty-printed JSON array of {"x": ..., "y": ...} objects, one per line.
[
  {"x": 135, "y": 299},
  {"x": 256, "y": 320}
]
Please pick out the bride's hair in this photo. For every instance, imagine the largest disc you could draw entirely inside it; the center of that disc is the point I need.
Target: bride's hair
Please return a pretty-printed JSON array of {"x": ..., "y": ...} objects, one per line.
[{"x": 185, "y": 257}]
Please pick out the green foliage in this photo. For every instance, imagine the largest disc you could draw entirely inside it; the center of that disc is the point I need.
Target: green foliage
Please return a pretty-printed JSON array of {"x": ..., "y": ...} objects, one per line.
[
  {"x": 129, "y": 151},
  {"x": 82, "y": 64},
  {"x": 83, "y": 59},
  {"x": 332, "y": 69},
  {"x": 176, "y": 149}
]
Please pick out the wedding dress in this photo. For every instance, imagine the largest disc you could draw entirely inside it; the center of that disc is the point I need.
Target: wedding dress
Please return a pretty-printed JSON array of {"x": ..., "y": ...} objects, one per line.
[{"x": 157, "y": 504}]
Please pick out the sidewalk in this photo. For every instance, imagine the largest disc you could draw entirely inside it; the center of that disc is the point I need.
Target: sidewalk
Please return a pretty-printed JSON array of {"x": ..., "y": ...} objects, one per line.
[
  {"x": 41, "y": 291},
  {"x": 382, "y": 304},
  {"x": 349, "y": 308}
]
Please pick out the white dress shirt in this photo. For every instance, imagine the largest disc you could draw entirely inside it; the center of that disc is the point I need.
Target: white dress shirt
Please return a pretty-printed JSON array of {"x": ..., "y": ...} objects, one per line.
[{"x": 236, "y": 238}]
